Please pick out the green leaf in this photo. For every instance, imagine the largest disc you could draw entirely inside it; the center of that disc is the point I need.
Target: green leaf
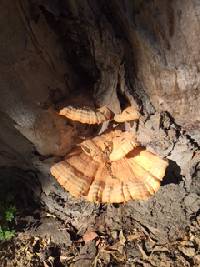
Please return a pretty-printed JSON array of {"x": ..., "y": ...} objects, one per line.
[
  {"x": 6, "y": 233},
  {"x": 10, "y": 214},
  {"x": 9, "y": 234},
  {"x": 1, "y": 234}
]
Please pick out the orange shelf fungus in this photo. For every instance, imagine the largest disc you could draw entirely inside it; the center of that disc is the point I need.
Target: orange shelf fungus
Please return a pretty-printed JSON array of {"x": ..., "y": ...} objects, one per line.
[
  {"x": 112, "y": 167},
  {"x": 107, "y": 171},
  {"x": 128, "y": 114},
  {"x": 87, "y": 116}
]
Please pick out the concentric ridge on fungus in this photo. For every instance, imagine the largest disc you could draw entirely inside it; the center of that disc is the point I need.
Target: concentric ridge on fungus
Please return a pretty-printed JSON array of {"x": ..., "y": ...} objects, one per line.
[
  {"x": 110, "y": 168},
  {"x": 88, "y": 116},
  {"x": 128, "y": 114},
  {"x": 99, "y": 115}
]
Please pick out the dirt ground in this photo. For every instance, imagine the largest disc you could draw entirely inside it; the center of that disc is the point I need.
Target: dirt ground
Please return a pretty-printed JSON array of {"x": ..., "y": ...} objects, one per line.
[{"x": 53, "y": 243}]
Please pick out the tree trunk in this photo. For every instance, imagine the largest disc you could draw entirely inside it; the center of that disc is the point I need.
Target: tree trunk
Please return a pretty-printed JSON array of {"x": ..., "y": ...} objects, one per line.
[{"x": 95, "y": 53}]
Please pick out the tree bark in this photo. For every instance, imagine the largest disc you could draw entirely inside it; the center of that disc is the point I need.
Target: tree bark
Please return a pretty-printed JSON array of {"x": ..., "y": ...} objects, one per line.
[{"x": 95, "y": 53}]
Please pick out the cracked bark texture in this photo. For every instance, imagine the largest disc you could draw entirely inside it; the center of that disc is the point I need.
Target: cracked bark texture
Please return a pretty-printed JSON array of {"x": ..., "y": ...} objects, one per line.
[{"x": 96, "y": 53}]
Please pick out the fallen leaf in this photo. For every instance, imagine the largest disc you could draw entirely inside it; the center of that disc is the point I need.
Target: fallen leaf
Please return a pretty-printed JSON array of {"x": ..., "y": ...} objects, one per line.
[
  {"x": 98, "y": 242},
  {"x": 66, "y": 258},
  {"x": 135, "y": 236},
  {"x": 122, "y": 238},
  {"x": 89, "y": 236}
]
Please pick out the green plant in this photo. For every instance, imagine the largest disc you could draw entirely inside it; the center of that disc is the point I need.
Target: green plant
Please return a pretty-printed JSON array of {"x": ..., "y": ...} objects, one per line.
[{"x": 7, "y": 216}]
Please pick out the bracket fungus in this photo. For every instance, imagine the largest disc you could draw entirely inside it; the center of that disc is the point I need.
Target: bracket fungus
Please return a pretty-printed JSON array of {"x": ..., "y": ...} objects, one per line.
[
  {"x": 109, "y": 168},
  {"x": 128, "y": 114},
  {"x": 100, "y": 115},
  {"x": 87, "y": 115}
]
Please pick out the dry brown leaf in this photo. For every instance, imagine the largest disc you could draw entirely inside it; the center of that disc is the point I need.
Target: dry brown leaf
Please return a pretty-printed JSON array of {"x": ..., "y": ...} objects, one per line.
[
  {"x": 135, "y": 236},
  {"x": 122, "y": 238},
  {"x": 89, "y": 236},
  {"x": 65, "y": 258}
]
